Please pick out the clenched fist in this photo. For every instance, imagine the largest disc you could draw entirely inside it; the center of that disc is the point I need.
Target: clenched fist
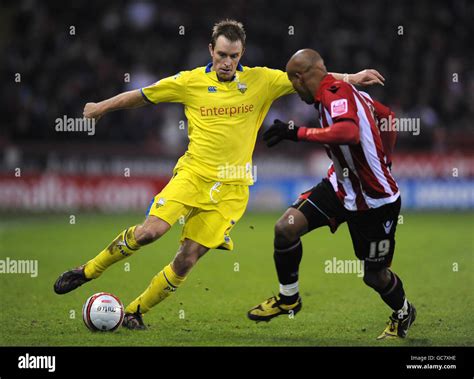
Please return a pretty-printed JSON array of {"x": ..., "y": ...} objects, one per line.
[{"x": 92, "y": 110}]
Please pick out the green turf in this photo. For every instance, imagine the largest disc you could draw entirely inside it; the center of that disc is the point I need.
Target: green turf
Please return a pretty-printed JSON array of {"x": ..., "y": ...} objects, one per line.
[{"x": 338, "y": 308}]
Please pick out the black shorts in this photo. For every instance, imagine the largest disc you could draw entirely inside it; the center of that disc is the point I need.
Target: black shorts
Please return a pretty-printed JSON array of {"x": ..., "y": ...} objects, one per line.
[{"x": 372, "y": 231}]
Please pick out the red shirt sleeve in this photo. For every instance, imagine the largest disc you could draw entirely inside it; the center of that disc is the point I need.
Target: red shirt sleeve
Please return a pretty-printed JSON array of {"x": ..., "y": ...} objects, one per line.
[
  {"x": 337, "y": 101},
  {"x": 344, "y": 132}
]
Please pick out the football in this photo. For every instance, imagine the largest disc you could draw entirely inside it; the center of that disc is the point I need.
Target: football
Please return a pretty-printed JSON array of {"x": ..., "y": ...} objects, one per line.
[{"x": 103, "y": 312}]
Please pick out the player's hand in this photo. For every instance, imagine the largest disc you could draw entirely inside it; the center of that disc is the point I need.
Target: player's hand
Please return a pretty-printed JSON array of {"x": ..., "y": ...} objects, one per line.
[
  {"x": 280, "y": 131},
  {"x": 92, "y": 110},
  {"x": 366, "y": 77}
]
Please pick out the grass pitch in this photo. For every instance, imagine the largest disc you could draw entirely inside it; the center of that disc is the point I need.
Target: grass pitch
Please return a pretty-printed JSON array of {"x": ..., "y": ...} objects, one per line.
[{"x": 434, "y": 258}]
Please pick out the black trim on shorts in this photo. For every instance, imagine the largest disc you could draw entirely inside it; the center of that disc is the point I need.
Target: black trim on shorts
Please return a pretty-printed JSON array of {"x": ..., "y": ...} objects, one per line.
[{"x": 321, "y": 207}]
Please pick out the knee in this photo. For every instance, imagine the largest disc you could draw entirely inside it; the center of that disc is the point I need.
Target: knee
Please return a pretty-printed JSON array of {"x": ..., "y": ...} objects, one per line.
[
  {"x": 370, "y": 279},
  {"x": 152, "y": 229},
  {"x": 377, "y": 280},
  {"x": 145, "y": 234},
  {"x": 285, "y": 232}
]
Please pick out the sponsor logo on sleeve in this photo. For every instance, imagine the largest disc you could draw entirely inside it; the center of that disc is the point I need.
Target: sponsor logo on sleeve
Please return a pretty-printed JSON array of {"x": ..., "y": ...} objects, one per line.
[{"x": 338, "y": 107}]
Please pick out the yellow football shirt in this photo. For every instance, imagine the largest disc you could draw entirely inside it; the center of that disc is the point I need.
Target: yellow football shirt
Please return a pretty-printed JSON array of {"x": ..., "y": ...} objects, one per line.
[{"x": 223, "y": 117}]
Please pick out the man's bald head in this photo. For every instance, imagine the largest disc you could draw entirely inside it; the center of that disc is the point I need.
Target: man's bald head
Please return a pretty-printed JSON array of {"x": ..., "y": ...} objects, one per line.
[
  {"x": 303, "y": 61},
  {"x": 305, "y": 69}
]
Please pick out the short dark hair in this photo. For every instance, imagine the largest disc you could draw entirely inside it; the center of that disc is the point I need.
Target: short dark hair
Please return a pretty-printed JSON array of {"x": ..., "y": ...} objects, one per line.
[{"x": 230, "y": 29}]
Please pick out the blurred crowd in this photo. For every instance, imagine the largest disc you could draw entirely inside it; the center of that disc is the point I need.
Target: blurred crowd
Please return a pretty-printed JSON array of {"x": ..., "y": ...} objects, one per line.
[{"x": 72, "y": 53}]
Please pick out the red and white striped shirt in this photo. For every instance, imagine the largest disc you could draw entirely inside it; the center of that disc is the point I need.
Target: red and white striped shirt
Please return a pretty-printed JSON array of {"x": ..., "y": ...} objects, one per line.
[{"x": 359, "y": 174}]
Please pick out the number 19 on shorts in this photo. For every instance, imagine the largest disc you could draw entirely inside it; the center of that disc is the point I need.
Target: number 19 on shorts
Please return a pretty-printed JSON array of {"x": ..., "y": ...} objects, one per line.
[{"x": 379, "y": 248}]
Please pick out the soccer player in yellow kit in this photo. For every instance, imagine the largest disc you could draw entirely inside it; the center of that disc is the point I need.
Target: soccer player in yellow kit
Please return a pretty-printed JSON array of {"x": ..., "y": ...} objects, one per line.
[{"x": 225, "y": 104}]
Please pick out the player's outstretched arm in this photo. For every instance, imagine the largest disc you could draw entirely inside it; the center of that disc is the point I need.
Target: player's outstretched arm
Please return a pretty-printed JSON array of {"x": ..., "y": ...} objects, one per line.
[
  {"x": 364, "y": 78},
  {"x": 342, "y": 132},
  {"x": 130, "y": 99}
]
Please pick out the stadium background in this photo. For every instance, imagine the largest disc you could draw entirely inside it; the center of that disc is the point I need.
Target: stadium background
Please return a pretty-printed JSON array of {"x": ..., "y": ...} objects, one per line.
[
  {"x": 71, "y": 54},
  {"x": 134, "y": 43}
]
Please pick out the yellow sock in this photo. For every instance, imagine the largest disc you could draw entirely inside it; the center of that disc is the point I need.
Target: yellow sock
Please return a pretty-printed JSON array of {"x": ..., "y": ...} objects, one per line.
[
  {"x": 162, "y": 285},
  {"x": 121, "y": 247}
]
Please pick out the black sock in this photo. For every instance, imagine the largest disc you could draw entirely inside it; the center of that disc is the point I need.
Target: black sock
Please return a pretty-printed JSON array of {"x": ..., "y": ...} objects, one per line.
[
  {"x": 394, "y": 294},
  {"x": 287, "y": 261}
]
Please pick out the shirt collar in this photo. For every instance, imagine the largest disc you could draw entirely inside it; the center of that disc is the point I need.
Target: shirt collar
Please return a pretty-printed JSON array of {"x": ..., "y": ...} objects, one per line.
[
  {"x": 209, "y": 68},
  {"x": 327, "y": 80}
]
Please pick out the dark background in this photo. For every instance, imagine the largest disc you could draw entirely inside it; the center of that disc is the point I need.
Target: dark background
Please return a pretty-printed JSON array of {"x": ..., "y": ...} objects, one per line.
[{"x": 60, "y": 72}]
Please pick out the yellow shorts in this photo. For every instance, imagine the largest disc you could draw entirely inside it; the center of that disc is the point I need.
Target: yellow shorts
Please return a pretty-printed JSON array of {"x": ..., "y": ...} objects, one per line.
[{"x": 208, "y": 210}]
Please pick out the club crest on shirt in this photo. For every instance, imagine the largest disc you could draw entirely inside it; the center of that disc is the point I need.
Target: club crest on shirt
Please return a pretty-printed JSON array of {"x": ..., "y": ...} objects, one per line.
[
  {"x": 161, "y": 201},
  {"x": 338, "y": 107},
  {"x": 242, "y": 87}
]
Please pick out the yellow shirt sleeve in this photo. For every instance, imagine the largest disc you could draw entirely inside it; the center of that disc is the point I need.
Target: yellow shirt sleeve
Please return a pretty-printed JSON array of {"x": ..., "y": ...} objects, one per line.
[
  {"x": 279, "y": 84},
  {"x": 168, "y": 90}
]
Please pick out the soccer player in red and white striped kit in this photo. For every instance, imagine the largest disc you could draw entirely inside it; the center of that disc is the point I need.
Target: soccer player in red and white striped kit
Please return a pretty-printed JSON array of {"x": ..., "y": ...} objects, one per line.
[{"x": 359, "y": 190}]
